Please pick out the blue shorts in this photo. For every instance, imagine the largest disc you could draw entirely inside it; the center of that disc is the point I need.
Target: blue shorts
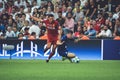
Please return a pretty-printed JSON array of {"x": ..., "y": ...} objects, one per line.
[{"x": 63, "y": 53}]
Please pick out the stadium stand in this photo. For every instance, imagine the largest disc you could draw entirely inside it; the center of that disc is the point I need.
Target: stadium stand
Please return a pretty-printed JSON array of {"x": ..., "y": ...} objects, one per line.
[{"x": 84, "y": 14}]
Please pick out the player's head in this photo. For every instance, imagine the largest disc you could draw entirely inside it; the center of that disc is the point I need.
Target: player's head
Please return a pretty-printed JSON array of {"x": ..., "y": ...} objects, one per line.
[
  {"x": 50, "y": 17},
  {"x": 60, "y": 14},
  {"x": 69, "y": 34}
]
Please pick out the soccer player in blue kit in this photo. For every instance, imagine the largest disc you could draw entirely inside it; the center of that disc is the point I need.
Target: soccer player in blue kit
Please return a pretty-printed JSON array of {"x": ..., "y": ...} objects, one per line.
[{"x": 62, "y": 48}]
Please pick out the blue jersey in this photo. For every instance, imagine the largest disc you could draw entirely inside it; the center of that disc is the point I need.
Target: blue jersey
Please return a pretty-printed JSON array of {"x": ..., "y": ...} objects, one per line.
[{"x": 62, "y": 49}]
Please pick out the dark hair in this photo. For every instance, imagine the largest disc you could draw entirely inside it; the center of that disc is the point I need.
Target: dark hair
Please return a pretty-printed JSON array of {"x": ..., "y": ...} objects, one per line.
[
  {"x": 23, "y": 14},
  {"x": 33, "y": 33},
  {"x": 26, "y": 29},
  {"x": 81, "y": 32},
  {"x": 60, "y": 12},
  {"x": 50, "y": 15},
  {"x": 21, "y": 34},
  {"x": 117, "y": 33},
  {"x": 69, "y": 32}
]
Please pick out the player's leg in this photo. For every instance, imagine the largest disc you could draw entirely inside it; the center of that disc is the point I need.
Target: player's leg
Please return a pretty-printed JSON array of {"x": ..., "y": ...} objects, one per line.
[
  {"x": 48, "y": 46},
  {"x": 52, "y": 53},
  {"x": 59, "y": 37},
  {"x": 68, "y": 56},
  {"x": 71, "y": 55}
]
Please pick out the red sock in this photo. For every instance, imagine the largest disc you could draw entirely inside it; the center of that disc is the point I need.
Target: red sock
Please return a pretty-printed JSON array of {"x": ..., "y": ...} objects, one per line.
[
  {"x": 51, "y": 54},
  {"x": 45, "y": 49}
]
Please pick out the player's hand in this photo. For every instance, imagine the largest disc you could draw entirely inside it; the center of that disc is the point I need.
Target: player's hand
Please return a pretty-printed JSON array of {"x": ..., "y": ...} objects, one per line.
[
  {"x": 59, "y": 42},
  {"x": 77, "y": 40}
]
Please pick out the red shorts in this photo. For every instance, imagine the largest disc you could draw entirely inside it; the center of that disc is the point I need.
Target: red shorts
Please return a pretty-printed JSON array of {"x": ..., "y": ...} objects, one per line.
[{"x": 52, "y": 39}]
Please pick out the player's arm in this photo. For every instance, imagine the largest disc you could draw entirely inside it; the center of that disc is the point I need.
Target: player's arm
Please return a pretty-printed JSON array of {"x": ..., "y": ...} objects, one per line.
[
  {"x": 59, "y": 41},
  {"x": 36, "y": 19},
  {"x": 60, "y": 30},
  {"x": 77, "y": 40}
]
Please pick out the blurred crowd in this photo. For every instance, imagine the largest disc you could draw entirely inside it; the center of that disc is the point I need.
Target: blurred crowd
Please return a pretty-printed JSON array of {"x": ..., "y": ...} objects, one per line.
[{"x": 88, "y": 19}]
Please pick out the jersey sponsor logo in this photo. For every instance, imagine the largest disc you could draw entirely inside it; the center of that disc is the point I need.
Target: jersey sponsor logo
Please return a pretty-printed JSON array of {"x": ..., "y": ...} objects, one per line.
[{"x": 51, "y": 26}]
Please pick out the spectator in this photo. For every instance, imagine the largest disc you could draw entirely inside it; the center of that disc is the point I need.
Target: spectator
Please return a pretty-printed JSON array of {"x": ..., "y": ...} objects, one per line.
[
  {"x": 2, "y": 36},
  {"x": 105, "y": 32},
  {"x": 36, "y": 29},
  {"x": 83, "y": 3},
  {"x": 49, "y": 11},
  {"x": 116, "y": 14},
  {"x": 2, "y": 27},
  {"x": 44, "y": 10},
  {"x": 77, "y": 33},
  {"x": 64, "y": 11},
  {"x": 9, "y": 32},
  {"x": 18, "y": 3},
  {"x": 26, "y": 25},
  {"x": 82, "y": 36},
  {"x": 22, "y": 21},
  {"x": 114, "y": 4},
  {"x": 35, "y": 12},
  {"x": 32, "y": 36},
  {"x": 92, "y": 10},
  {"x": 24, "y": 2},
  {"x": 78, "y": 3},
  {"x": 110, "y": 16},
  {"x": 44, "y": 37},
  {"x": 27, "y": 11},
  {"x": 76, "y": 7},
  {"x": 60, "y": 19},
  {"x": 100, "y": 20},
  {"x": 79, "y": 14},
  {"x": 69, "y": 4},
  {"x": 1, "y": 7},
  {"x": 13, "y": 13},
  {"x": 10, "y": 23},
  {"x": 18, "y": 21},
  {"x": 102, "y": 5},
  {"x": 4, "y": 19},
  {"x": 69, "y": 22},
  {"x": 85, "y": 8},
  {"x": 26, "y": 33},
  {"x": 117, "y": 27},
  {"x": 21, "y": 36},
  {"x": 82, "y": 21},
  {"x": 75, "y": 14},
  {"x": 9, "y": 7},
  {"x": 109, "y": 24},
  {"x": 50, "y": 4},
  {"x": 117, "y": 36},
  {"x": 69, "y": 10},
  {"x": 96, "y": 26},
  {"x": 1, "y": 33},
  {"x": 16, "y": 32},
  {"x": 56, "y": 12},
  {"x": 79, "y": 24},
  {"x": 91, "y": 32},
  {"x": 34, "y": 6},
  {"x": 87, "y": 23},
  {"x": 21, "y": 10}
]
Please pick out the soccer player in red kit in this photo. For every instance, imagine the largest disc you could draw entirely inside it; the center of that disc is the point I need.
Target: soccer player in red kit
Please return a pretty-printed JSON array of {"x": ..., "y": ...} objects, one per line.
[{"x": 52, "y": 27}]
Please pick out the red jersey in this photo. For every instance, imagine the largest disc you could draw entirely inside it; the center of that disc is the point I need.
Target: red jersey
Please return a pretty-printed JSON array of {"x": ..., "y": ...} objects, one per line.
[
  {"x": 52, "y": 31},
  {"x": 52, "y": 28}
]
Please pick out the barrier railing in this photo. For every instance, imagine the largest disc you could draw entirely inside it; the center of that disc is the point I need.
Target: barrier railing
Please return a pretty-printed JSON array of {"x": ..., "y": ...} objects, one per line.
[{"x": 85, "y": 50}]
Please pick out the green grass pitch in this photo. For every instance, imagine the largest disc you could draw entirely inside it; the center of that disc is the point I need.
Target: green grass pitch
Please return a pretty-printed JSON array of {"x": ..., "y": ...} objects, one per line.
[{"x": 59, "y": 70}]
